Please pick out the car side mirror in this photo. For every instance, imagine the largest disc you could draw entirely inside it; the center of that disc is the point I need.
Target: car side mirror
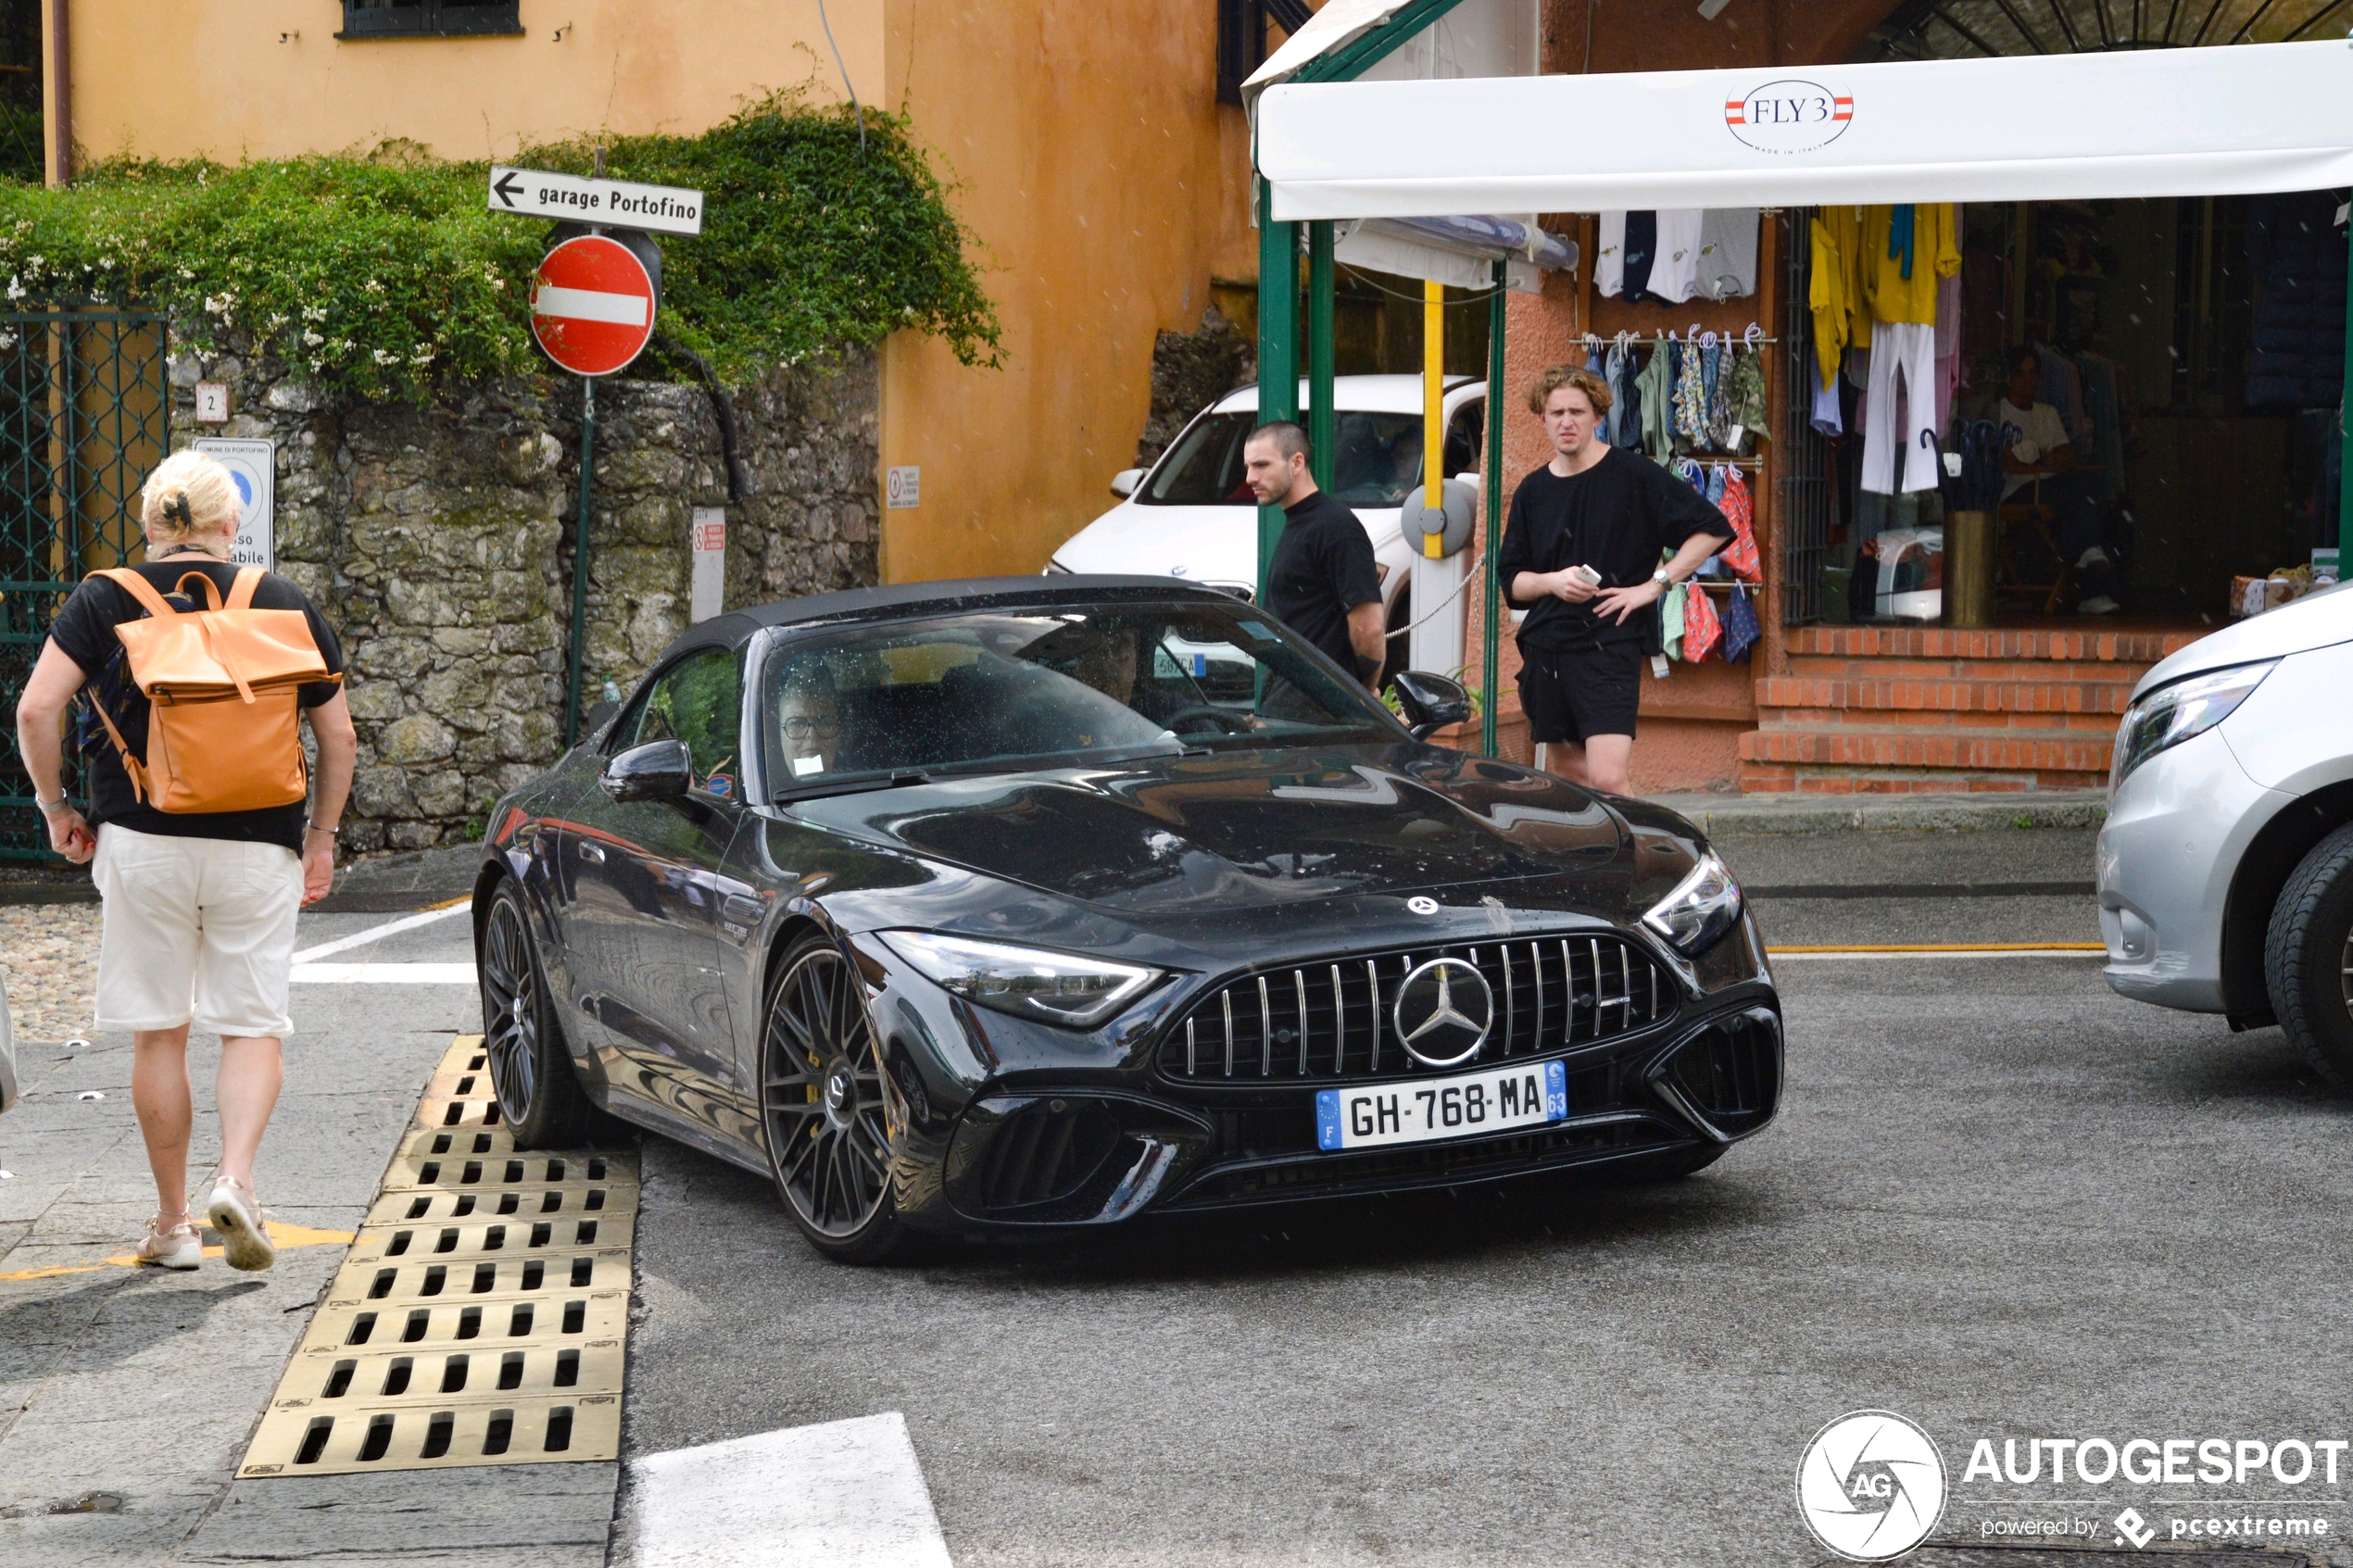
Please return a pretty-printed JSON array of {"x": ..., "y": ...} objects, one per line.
[
  {"x": 1431, "y": 702},
  {"x": 1124, "y": 483},
  {"x": 659, "y": 770}
]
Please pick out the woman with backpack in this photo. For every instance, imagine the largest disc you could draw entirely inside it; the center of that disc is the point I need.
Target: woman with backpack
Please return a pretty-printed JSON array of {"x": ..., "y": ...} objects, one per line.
[{"x": 195, "y": 670}]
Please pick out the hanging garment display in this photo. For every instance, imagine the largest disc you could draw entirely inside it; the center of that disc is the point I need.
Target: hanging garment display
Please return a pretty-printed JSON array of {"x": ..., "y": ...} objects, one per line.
[
  {"x": 1702, "y": 631},
  {"x": 1903, "y": 359},
  {"x": 1609, "y": 256},
  {"x": 1740, "y": 510},
  {"x": 1670, "y": 620},
  {"x": 1841, "y": 321},
  {"x": 1675, "y": 265},
  {"x": 1901, "y": 266},
  {"x": 1691, "y": 394},
  {"x": 1639, "y": 253},
  {"x": 1658, "y": 393},
  {"x": 1626, "y": 398},
  {"x": 1740, "y": 630},
  {"x": 1728, "y": 253},
  {"x": 1824, "y": 415},
  {"x": 1742, "y": 411},
  {"x": 1949, "y": 348}
]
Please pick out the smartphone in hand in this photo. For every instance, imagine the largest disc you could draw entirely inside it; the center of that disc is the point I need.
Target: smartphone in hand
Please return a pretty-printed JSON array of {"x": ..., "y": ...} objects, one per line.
[{"x": 1586, "y": 575}]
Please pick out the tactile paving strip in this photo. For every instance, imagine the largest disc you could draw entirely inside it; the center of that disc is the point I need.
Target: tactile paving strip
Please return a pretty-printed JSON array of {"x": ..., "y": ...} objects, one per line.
[{"x": 480, "y": 1315}]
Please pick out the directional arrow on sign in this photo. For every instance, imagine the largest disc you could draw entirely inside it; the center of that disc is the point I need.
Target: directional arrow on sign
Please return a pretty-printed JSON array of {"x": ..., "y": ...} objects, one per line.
[{"x": 506, "y": 186}]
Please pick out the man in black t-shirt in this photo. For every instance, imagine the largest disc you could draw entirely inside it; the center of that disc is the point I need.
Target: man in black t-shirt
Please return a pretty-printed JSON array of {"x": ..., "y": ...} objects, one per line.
[
  {"x": 1581, "y": 554},
  {"x": 1323, "y": 582}
]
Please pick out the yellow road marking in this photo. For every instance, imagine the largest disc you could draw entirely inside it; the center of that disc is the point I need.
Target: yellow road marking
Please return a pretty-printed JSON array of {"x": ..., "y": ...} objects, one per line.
[{"x": 286, "y": 1235}]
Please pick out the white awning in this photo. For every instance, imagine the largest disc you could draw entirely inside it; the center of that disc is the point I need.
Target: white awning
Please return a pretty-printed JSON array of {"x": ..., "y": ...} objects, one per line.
[{"x": 2220, "y": 121}]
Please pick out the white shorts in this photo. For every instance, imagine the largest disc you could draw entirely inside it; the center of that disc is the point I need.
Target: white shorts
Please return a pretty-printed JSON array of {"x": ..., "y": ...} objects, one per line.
[{"x": 197, "y": 930}]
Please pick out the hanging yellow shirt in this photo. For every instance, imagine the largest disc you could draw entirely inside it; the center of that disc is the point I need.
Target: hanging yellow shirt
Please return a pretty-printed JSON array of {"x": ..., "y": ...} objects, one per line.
[
  {"x": 1842, "y": 319},
  {"x": 1936, "y": 254}
]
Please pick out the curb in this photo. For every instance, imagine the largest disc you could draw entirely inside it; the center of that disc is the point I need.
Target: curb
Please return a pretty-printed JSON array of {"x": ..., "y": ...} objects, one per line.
[{"x": 1715, "y": 814}]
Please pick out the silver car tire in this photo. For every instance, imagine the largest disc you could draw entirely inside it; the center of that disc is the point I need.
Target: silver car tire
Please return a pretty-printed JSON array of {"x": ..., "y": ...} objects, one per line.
[{"x": 2308, "y": 958}]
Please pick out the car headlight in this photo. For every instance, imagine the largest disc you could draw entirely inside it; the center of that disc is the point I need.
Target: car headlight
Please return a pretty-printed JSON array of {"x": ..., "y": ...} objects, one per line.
[
  {"x": 1026, "y": 982},
  {"x": 2170, "y": 716},
  {"x": 1704, "y": 906}
]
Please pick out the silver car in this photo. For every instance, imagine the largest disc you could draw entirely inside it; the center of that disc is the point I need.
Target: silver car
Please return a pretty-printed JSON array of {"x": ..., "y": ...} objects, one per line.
[{"x": 2226, "y": 866}]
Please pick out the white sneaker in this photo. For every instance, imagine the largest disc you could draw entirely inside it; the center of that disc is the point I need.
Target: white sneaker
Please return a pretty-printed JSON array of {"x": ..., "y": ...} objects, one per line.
[
  {"x": 237, "y": 1216},
  {"x": 2098, "y": 604},
  {"x": 170, "y": 1246}
]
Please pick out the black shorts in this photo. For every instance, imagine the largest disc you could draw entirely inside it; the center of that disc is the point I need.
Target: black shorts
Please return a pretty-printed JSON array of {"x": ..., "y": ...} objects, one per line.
[{"x": 1589, "y": 691}]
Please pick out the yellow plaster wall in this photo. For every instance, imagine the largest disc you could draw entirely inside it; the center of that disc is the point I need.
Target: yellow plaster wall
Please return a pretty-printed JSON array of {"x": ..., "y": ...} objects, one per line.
[
  {"x": 185, "y": 78},
  {"x": 1086, "y": 141}
]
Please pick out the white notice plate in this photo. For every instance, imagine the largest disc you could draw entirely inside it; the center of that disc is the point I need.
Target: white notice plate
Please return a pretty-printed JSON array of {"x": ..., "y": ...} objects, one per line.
[{"x": 1424, "y": 1109}]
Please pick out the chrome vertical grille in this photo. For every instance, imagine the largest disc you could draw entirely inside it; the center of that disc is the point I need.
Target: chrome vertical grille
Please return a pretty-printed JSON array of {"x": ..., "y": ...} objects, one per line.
[{"x": 1330, "y": 1020}]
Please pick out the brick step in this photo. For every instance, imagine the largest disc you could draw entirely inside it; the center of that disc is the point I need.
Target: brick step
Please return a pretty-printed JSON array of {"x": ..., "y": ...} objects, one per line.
[
  {"x": 1945, "y": 695},
  {"x": 2080, "y": 671},
  {"x": 1950, "y": 642},
  {"x": 1767, "y": 778},
  {"x": 1849, "y": 747},
  {"x": 1930, "y": 721}
]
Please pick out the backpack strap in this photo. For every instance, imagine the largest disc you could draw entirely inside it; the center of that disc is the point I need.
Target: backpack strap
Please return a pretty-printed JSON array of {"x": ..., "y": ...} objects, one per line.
[
  {"x": 139, "y": 588},
  {"x": 241, "y": 591},
  {"x": 132, "y": 767}
]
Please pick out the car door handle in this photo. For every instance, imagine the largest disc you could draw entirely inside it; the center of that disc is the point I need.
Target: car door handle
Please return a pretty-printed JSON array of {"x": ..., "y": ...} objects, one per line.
[{"x": 593, "y": 853}]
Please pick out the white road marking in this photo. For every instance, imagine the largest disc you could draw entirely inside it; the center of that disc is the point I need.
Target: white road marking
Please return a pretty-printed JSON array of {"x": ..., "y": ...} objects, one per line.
[
  {"x": 1778, "y": 958},
  {"x": 378, "y": 932},
  {"x": 847, "y": 1494},
  {"x": 383, "y": 974}
]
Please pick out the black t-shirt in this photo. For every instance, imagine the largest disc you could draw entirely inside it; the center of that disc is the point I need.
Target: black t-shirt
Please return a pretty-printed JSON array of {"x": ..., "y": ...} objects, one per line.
[
  {"x": 84, "y": 632},
  {"x": 1618, "y": 517},
  {"x": 1323, "y": 568}
]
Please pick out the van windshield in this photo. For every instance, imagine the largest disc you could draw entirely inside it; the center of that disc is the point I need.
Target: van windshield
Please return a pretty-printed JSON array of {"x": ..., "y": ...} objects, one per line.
[{"x": 1379, "y": 460}]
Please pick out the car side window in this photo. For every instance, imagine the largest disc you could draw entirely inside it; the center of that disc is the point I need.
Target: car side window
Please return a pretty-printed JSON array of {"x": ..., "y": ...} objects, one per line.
[
  {"x": 1464, "y": 451},
  {"x": 699, "y": 701}
]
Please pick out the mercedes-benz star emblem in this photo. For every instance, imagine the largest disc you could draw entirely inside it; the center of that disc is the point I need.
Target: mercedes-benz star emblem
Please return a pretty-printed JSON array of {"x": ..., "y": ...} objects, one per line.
[
  {"x": 1443, "y": 1011},
  {"x": 1422, "y": 904}
]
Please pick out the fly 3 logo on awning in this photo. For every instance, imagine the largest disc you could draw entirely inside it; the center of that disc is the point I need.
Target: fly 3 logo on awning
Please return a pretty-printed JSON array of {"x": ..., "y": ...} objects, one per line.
[{"x": 1790, "y": 116}]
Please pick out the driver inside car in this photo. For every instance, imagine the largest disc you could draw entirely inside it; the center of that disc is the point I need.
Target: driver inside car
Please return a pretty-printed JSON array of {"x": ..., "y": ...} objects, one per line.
[{"x": 808, "y": 723}]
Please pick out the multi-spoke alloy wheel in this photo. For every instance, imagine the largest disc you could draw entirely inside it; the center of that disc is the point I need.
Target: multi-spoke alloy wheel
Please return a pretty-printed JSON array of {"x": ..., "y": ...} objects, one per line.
[
  {"x": 821, "y": 1106},
  {"x": 538, "y": 1097}
]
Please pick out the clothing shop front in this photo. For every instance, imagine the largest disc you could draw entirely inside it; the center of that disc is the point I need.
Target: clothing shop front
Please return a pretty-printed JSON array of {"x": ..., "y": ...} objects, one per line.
[{"x": 2046, "y": 395}]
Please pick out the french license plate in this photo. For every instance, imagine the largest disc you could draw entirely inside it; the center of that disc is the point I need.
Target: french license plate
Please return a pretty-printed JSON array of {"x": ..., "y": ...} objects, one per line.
[{"x": 1425, "y": 1110}]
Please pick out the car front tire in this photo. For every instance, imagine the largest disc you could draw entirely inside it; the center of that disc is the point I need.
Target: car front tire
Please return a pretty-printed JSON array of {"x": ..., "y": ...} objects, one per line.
[
  {"x": 539, "y": 1095},
  {"x": 821, "y": 1113},
  {"x": 2308, "y": 958}
]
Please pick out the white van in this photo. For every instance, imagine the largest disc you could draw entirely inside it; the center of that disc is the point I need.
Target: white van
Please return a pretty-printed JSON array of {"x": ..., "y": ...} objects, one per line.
[{"x": 1189, "y": 515}]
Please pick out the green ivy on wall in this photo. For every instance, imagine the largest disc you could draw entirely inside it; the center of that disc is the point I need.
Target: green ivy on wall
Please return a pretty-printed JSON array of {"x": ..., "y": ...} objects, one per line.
[{"x": 385, "y": 276}]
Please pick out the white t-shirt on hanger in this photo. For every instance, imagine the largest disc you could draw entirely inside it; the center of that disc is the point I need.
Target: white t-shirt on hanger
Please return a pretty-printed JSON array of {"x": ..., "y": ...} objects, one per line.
[
  {"x": 1675, "y": 268},
  {"x": 1728, "y": 253},
  {"x": 1609, "y": 256}
]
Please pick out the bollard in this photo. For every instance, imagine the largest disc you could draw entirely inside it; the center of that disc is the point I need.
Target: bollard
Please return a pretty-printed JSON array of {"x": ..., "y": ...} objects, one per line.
[{"x": 1968, "y": 568}]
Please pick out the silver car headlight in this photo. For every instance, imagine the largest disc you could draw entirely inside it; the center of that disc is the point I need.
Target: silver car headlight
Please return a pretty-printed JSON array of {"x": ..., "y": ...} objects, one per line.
[
  {"x": 2174, "y": 714},
  {"x": 1027, "y": 981},
  {"x": 1704, "y": 906}
]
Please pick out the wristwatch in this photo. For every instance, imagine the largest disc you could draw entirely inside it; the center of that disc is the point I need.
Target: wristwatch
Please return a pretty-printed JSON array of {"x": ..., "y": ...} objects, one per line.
[
  {"x": 1662, "y": 578},
  {"x": 51, "y": 807}
]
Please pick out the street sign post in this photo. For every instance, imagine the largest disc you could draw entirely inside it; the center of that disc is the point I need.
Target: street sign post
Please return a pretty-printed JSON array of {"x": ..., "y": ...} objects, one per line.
[
  {"x": 592, "y": 305},
  {"x": 616, "y": 204}
]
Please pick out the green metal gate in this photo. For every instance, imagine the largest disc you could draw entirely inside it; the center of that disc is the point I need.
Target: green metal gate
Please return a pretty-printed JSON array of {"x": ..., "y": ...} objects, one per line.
[{"x": 84, "y": 414}]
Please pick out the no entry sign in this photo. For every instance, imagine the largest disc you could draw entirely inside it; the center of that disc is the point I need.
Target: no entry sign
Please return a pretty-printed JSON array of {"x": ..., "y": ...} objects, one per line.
[{"x": 592, "y": 305}]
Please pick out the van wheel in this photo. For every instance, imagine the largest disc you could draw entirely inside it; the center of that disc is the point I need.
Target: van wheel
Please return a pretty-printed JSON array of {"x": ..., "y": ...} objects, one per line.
[{"x": 2308, "y": 958}]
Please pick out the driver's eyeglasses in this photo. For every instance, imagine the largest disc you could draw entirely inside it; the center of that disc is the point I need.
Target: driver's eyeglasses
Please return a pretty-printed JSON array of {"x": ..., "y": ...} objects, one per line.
[{"x": 803, "y": 728}]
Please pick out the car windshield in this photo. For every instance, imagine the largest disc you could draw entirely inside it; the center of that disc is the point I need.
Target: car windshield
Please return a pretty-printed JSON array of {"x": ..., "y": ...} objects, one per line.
[
  {"x": 1380, "y": 459},
  {"x": 1009, "y": 691}
]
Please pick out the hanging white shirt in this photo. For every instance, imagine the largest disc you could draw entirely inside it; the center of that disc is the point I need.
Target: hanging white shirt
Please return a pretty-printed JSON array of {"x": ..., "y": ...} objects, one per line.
[
  {"x": 1675, "y": 265},
  {"x": 1609, "y": 256},
  {"x": 1728, "y": 253}
]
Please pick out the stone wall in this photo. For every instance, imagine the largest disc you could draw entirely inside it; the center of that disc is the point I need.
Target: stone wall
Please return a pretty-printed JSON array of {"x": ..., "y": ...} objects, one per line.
[{"x": 438, "y": 541}]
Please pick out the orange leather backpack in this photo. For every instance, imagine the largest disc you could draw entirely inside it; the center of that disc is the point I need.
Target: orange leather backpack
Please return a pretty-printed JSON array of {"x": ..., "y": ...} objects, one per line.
[{"x": 224, "y": 731}]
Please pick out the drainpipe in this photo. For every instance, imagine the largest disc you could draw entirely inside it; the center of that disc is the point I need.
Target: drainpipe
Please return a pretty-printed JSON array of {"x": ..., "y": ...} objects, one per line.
[{"x": 61, "y": 94}]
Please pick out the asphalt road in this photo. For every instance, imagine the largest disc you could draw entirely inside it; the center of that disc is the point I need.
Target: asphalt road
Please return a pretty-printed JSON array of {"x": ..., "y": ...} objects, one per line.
[{"x": 1999, "y": 1200}]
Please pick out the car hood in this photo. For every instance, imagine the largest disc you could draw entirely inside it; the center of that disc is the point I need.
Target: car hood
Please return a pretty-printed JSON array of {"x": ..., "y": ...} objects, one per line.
[
  {"x": 1198, "y": 544},
  {"x": 1234, "y": 831},
  {"x": 2313, "y": 621}
]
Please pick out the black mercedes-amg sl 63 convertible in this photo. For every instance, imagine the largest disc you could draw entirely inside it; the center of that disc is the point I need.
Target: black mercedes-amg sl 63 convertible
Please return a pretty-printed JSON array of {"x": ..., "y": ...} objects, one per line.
[{"x": 1022, "y": 904}]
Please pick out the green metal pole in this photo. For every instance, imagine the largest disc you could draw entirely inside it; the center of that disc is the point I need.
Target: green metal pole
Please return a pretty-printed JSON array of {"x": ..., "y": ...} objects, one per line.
[
  {"x": 580, "y": 558},
  {"x": 1321, "y": 422},
  {"x": 2344, "y": 429},
  {"x": 1277, "y": 347},
  {"x": 1492, "y": 546}
]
